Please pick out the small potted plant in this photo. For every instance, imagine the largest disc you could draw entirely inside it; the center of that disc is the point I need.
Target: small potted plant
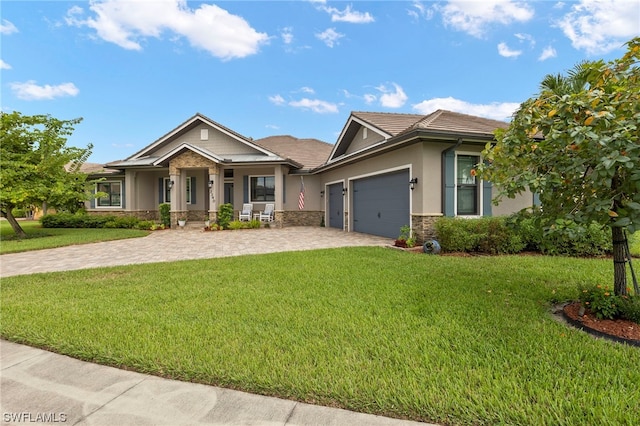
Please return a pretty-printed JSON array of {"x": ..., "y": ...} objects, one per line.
[{"x": 182, "y": 221}]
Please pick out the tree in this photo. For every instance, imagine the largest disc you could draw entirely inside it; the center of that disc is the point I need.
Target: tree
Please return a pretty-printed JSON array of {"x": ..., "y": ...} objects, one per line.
[
  {"x": 36, "y": 166},
  {"x": 577, "y": 146}
]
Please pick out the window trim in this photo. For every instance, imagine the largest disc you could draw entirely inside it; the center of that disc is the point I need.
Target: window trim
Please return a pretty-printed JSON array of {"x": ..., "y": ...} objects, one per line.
[
  {"x": 266, "y": 200},
  {"x": 478, "y": 184},
  {"x": 97, "y": 199}
]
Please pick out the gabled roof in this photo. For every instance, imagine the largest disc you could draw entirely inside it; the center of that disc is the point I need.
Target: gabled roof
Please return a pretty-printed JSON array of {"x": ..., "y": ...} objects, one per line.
[
  {"x": 385, "y": 124},
  {"x": 188, "y": 125},
  {"x": 390, "y": 123},
  {"x": 164, "y": 160},
  {"x": 310, "y": 153},
  {"x": 402, "y": 128}
]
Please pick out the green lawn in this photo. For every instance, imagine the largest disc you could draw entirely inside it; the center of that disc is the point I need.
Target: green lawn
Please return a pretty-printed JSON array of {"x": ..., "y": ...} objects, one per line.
[
  {"x": 43, "y": 238},
  {"x": 455, "y": 340}
]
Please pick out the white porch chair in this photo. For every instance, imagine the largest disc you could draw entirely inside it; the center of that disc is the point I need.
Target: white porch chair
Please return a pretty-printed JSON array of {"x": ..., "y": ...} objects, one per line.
[
  {"x": 247, "y": 211},
  {"x": 267, "y": 214}
]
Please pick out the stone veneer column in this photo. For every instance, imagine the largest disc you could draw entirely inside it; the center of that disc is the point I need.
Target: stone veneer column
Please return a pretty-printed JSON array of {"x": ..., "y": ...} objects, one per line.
[{"x": 423, "y": 227}]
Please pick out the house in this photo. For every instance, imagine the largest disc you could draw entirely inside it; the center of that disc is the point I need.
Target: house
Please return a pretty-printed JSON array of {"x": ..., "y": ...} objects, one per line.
[{"x": 385, "y": 171}]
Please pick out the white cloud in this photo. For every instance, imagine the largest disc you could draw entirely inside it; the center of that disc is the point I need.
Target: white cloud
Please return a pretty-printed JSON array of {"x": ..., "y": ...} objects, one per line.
[
  {"x": 31, "y": 91},
  {"x": 287, "y": 35},
  {"x": 495, "y": 110},
  {"x": 392, "y": 98},
  {"x": 315, "y": 105},
  {"x": 277, "y": 100},
  {"x": 306, "y": 89},
  {"x": 330, "y": 37},
  {"x": 473, "y": 17},
  {"x": 369, "y": 98},
  {"x": 547, "y": 52},
  {"x": 348, "y": 15},
  {"x": 211, "y": 28},
  {"x": 4, "y": 65},
  {"x": 419, "y": 10},
  {"x": 505, "y": 51},
  {"x": 272, "y": 126},
  {"x": 7, "y": 27},
  {"x": 526, "y": 37},
  {"x": 600, "y": 26}
]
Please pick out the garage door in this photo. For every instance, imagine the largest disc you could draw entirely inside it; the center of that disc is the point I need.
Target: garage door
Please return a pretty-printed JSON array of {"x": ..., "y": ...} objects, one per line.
[{"x": 381, "y": 204}]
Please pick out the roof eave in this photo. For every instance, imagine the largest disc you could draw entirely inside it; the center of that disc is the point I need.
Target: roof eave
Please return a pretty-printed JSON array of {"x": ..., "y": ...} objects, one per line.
[{"x": 407, "y": 138}]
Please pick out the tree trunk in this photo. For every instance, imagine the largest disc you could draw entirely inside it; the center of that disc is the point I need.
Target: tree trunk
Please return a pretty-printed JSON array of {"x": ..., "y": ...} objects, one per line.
[
  {"x": 44, "y": 208},
  {"x": 619, "y": 261},
  {"x": 14, "y": 224}
]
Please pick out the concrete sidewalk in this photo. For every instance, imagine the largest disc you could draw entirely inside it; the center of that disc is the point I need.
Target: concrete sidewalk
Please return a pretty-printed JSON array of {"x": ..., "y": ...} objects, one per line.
[
  {"x": 37, "y": 386},
  {"x": 43, "y": 387}
]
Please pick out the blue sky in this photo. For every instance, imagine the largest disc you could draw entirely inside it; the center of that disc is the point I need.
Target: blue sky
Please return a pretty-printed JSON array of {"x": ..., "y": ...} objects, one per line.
[{"x": 135, "y": 70}]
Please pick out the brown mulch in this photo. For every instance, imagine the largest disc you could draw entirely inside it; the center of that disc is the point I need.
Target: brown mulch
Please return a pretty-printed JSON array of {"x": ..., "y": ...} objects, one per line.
[{"x": 619, "y": 328}]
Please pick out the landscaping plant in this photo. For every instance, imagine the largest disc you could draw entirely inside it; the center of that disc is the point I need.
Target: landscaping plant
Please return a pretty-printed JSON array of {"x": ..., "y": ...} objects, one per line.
[{"x": 577, "y": 145}]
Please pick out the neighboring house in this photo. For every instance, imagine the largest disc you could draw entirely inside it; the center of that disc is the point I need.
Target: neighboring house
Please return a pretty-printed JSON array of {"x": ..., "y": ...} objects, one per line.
[{"x": 385, "y": 171}]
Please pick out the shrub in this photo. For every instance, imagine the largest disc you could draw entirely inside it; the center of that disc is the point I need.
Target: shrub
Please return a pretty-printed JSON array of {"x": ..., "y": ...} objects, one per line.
[
  {"x": 563, "y": 237},
  {"x": 489, "y": 235},
  {"x": 83, "y": 220},
  {"x": 254, "y": 224},
  {"x": 225, "y": 214},
  {"x": 236, "y": 224},
  {"x": 165, "y": 214},
  {"x": 600, "y": 300},
  {"x": 148, "y": 225},
  {"x": 629, "y": 307}
]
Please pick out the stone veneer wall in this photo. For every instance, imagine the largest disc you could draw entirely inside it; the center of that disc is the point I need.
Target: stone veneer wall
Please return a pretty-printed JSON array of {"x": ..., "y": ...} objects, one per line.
[
  {"x": 298, "y": 218},
  {"x": 191, "y": 215},
  {"x": 423, "y": 227}
]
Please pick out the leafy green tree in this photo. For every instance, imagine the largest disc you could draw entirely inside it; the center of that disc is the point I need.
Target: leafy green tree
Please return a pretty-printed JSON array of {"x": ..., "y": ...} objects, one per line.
[
  {"x": 577, "y": 145},
  {"x": 36, "y": 166}
]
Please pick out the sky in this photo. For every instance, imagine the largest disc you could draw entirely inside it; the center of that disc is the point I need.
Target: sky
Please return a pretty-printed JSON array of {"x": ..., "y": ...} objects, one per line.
[{"x": 135, "y": 70}]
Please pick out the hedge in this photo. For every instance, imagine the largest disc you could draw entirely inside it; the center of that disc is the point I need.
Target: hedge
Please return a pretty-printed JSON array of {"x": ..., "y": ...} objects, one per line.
[
  {"x": 69, "y": 220},
  {"x": 507, "y": 235}
]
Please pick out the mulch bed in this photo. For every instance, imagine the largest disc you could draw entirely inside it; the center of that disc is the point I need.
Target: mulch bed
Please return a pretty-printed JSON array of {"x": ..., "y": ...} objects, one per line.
[{"x": 619, "y": 329}]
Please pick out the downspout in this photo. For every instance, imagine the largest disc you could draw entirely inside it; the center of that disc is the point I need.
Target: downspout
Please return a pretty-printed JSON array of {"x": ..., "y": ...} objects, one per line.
[{"x": 442, "y": 172}]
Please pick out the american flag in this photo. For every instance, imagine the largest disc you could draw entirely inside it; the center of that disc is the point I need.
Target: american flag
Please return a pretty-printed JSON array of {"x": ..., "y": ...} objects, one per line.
[{"x": 301, "y": 197}]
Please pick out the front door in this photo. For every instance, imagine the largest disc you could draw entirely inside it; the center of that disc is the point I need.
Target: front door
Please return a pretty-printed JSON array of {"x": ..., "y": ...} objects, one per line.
[
  {"x": 228, "y": 192},
  {"x": 336, "y": 206}
]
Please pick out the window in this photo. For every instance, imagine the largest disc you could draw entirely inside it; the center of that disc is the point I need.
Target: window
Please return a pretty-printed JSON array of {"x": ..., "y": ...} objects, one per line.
[
  {"x": 189, "y": 186},
  {"x": 263, "y": 188},
  {"x": 467, "y": 186},
  {"x": 113, "y": 194}
]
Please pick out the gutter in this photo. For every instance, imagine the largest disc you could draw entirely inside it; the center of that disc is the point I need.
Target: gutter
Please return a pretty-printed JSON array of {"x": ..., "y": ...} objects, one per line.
[{"x": 442, "y": 172}]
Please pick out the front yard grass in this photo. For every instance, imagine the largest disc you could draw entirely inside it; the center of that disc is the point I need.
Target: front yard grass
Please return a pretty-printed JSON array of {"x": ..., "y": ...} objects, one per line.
[
  {"x": 42, "y": 238},
  {"x": 451, "y": 340}
]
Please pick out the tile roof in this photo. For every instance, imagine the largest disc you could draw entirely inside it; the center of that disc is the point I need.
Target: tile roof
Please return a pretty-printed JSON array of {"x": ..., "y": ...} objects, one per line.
[
  {"x": 311, "y": 153},
  {"x": 454, "y": 122},
  {"x": 440, "y": 120},
  {"x": 391, "y": 123}
]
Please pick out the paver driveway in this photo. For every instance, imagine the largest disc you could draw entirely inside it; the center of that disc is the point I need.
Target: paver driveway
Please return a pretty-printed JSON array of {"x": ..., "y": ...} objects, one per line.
[{"x": 171, "y": 245}]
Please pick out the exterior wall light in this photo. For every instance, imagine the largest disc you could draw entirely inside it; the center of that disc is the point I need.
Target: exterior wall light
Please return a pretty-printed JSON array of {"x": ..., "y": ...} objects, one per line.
[
  {"x": 344, "y": 190},
  {"x": 170, "y": 184},
  {"x": 210, "y": 184},
  {"x": 412, "y": 183}
]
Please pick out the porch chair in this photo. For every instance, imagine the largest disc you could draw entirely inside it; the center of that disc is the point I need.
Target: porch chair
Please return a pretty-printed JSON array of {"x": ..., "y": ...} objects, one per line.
[
  {"x": 247, "y": 210},
  {"x": 267, "y": 214}
]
